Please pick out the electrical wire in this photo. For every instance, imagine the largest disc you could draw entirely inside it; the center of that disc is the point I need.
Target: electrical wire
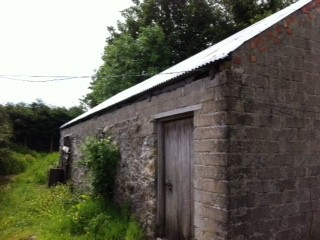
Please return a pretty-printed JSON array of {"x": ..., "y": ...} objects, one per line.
[
  {"x": 55, "y": 78},
  {"x": 64, "y": 78},
  {"x": 40, "y": 76}
]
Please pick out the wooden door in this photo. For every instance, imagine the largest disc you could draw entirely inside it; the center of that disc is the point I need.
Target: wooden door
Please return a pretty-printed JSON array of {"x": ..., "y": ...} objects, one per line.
[{"x": 177, "y": 179}]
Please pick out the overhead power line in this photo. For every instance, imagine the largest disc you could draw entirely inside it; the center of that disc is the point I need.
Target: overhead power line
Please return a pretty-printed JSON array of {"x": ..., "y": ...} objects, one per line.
[
  {"x": 54, "y": 78},
  {"x": 28, "y": 78},
  {"x": 40, "y": 76}
]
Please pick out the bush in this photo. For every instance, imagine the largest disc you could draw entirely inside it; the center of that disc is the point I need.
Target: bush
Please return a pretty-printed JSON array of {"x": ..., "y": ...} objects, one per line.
[
  {"x": 7, "y": 166},
  {"x": 5, "y": 161},
  {"x": 101, "y": 157},
  {"x": 13, "y": 163},
  {"x": 15, "y": 159},
  {"x": 82, "y": 214}
]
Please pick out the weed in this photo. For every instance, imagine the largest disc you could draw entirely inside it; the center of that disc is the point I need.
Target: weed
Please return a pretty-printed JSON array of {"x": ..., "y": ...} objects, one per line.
[
  {"x": 134, "y": 231},
  {"x": 29, "y": 208}
]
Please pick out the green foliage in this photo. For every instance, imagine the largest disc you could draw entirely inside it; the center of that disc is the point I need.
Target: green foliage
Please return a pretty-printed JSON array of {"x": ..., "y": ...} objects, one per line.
[
  {"x": 29, "y": 208},
  {"x": 134, "y": 231},
  {"x": 101, "y": 157},
  {"x": 9, "y": 163},
  {"x": 36, "y": 125},
  {"x": 84, "y": 215},
  {"x": 245, "y": 12},
  {"x": 128, "y": 60},
  {"x": 98, "y": 219},
  {"x": 18, "y": 161},
  {"x": 38, "y": 171},
  {"x": 5, "y": 128},
  {"x": 5, "y": 137},
  {"x": 156, "y": 34}
]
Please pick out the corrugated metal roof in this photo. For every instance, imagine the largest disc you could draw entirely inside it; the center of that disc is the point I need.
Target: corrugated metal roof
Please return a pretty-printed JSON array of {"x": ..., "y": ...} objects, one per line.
[{"x": 216, "y": 52}]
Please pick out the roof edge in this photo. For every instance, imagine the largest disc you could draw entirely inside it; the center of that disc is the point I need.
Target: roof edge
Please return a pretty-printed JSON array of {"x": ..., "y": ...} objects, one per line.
[{"x": 212, "y": 54}]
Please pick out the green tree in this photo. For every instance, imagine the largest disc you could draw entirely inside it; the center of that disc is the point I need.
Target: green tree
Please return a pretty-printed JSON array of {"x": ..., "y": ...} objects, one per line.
[
  {"x": 21, "y": 118},
  {"x": 156, "y": 34},
  {"x": 5, "y": 138},
  {"x": 128, "y": 60},
  {"x": 245, "y": 12},
  {"x": 5, "y": 128},
  {"x": 36, "y": 125}
]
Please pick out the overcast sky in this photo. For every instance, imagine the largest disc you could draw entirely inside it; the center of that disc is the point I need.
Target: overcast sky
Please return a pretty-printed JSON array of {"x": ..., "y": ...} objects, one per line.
[{"x": 52, "y": 38}]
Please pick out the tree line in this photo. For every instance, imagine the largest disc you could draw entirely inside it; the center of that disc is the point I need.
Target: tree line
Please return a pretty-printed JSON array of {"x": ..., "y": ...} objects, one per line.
[
  {"x": 156, "y": 34},
  {"x": 34, "y": 126}
]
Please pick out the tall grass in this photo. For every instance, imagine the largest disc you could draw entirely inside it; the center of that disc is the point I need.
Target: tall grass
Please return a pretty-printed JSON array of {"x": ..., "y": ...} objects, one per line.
[
  {"x": 28, "y": 208},
  {"x": 14, "y": 162}
]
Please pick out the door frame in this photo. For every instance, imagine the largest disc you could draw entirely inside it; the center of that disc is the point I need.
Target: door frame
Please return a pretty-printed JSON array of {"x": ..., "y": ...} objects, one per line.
[{"x": 161, "y": 174}]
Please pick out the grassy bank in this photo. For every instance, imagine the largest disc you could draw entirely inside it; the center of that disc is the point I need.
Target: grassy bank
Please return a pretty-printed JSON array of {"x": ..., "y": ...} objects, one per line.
[{"x": 29, "y": 210}]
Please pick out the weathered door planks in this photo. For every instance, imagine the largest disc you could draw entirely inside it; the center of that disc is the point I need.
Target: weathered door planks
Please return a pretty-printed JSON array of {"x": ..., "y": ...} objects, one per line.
[{"x": 177, "y": 178}]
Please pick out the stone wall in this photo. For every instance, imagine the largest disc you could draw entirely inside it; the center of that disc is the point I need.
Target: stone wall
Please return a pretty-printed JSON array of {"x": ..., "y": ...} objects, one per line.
[
  {"x": 134, "y": 128},
  {"x": 273, "y": 151}
]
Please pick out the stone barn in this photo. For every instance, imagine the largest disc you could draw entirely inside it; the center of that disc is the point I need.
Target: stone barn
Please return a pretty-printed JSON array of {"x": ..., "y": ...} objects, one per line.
[{"x": 224, "y": 145}]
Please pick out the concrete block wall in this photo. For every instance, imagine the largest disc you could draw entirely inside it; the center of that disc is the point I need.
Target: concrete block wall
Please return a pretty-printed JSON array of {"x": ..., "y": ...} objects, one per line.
[{"x": 273, "y": 154}]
